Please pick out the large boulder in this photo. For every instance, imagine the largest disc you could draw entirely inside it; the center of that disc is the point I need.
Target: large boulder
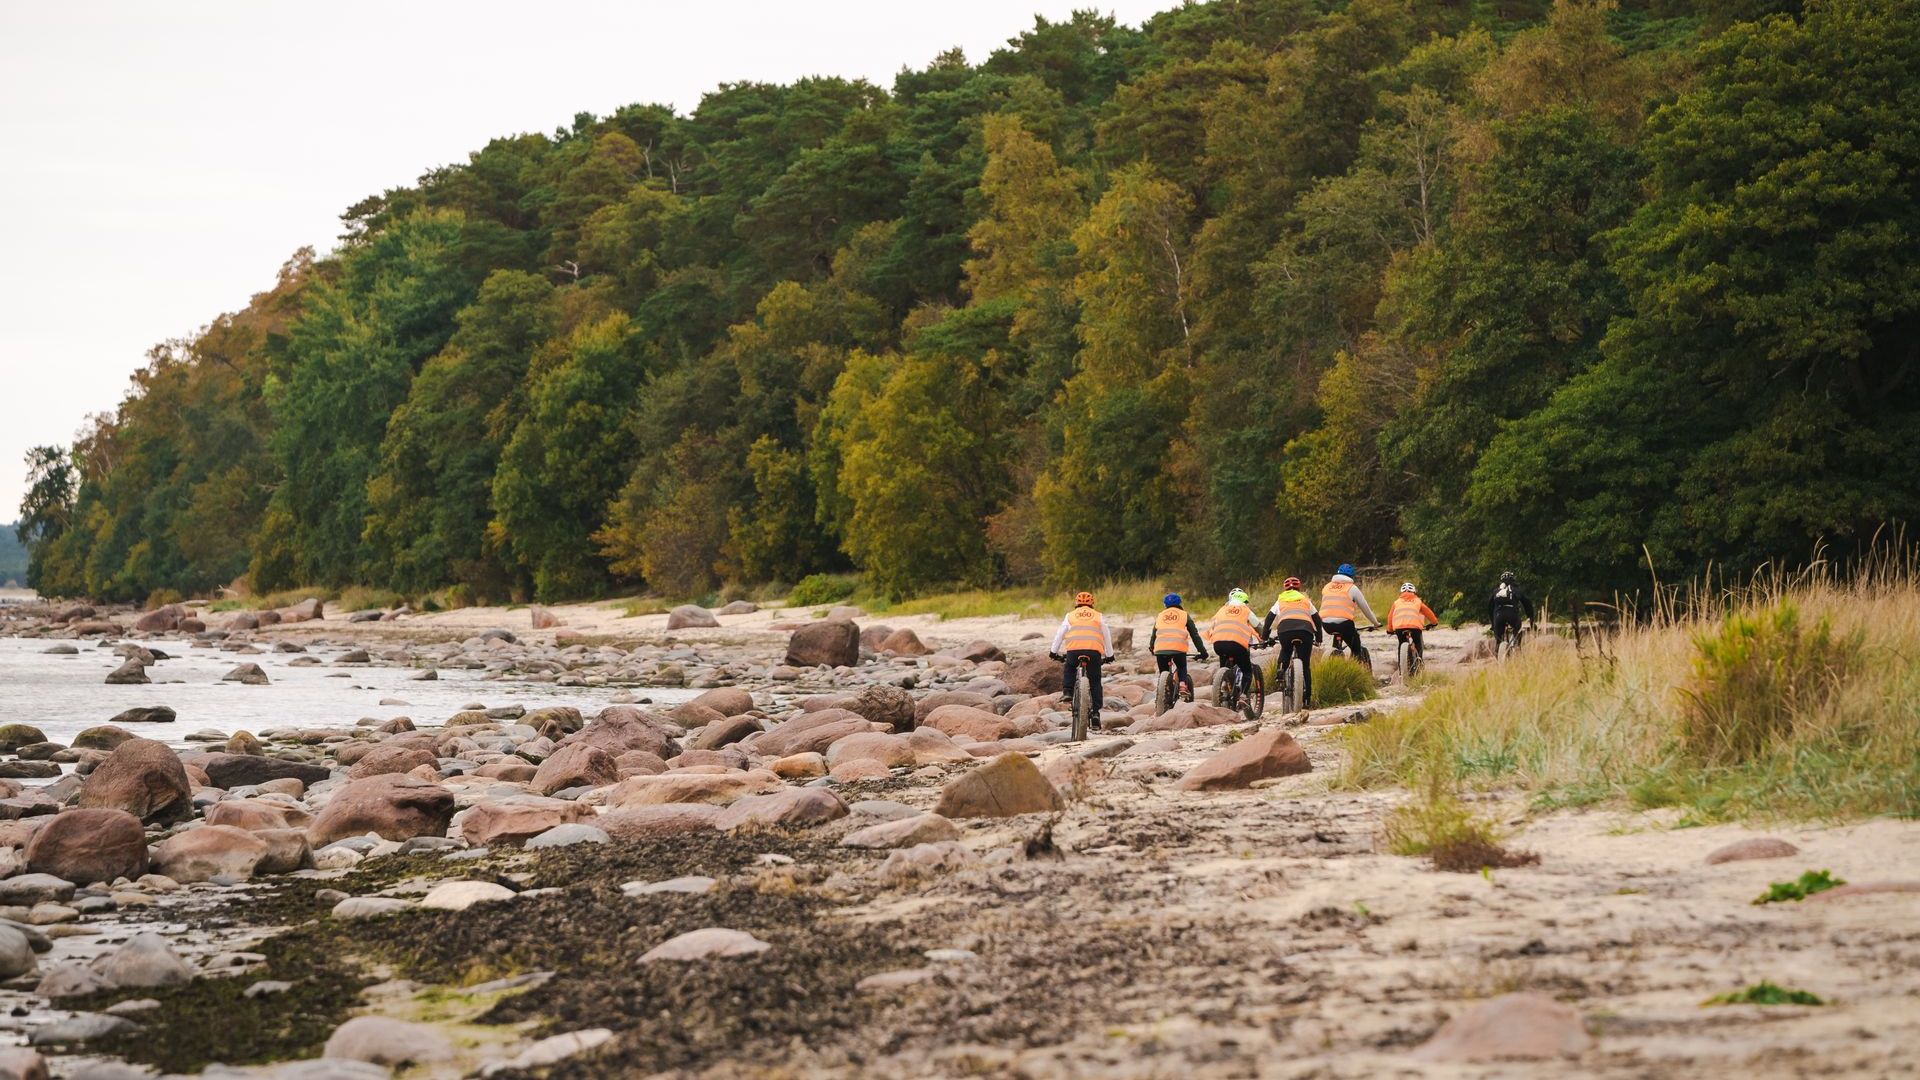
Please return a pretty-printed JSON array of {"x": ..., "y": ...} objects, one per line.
[
  {"x": 15, "y": 736},
  {"x": 889, "y": 705},
  {"x": 255, "y": 815},
  {"x": 1184, "y": 716},
  {"x": 395, "y": 807},
  {"x": 1004, "y": 787},
  {"x": 904, "y": 642},
  {"x": 649, "y": 822},
  {"x": 248, "y": 674},
  {"x": 145, "y": 962},
  {"x": 543, "y": 619},
  {"x": 980, "y": 725},
  {"x": 726, "y": 700},
  {"x": 131, "y": 673},
  {"x": 788, "y": 807},
  {"x": 142, "y": 777},
  {"x": 101, "y": 737},
  {"x": 1259, "y": 756},
  {"x": 828, "y": 643},
  {"x": 923, "y": 746},
  {"x": 725, "y": 732},
  {"x": 620, "y": 728},
  {"x": 246, "y": 770},
  {"x": 1035, "y": 676},
  {"x": 386, "y": 1041},
  {"x": 924, "y": 707},
  {"x": 690, "y": 616},
  {"x": 575, "y": 765},
  {"x": 160, "y": 620},
  {"x": 718, "y": 789},
  {"x": 981, "y": 650},
  {"x": 208, "y": 852},
  {"x": 388, "y": 759},
  {"x": 87, "y": 845},
  {"x": 144, "y": 714},
  {"x": 813, "y": 731},
  {"x": 518, "y": 818}
]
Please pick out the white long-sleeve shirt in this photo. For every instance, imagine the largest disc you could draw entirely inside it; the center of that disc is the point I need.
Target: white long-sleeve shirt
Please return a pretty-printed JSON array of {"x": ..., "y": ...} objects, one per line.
[
  {"x": 1359, "y": 598},
  {"x": 1106, "y": 635}
]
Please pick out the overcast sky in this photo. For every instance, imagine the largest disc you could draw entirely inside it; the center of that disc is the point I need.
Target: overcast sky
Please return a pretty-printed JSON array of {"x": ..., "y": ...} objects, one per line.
[{"x": 161, "y": 160}]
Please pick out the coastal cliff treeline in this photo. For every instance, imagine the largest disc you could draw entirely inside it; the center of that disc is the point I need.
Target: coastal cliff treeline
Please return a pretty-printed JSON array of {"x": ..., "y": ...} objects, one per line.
[{"x": 1259, "y": 284}]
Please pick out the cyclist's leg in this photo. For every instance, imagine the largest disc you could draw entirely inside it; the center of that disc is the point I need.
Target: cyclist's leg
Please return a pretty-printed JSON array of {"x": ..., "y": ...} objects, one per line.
[
  {"x": 1163, "y": 660},
  {"x": 1178, "y": 661},
  {"x": 1070, "y": 664},
  {"x": 1093, "y": 676},
  {"x": 1419, "y": 643},
  {"x": 1502, "y": 622},
  {"x": 1300, "y": 643},
  {"x": 1346, "y": 631}
]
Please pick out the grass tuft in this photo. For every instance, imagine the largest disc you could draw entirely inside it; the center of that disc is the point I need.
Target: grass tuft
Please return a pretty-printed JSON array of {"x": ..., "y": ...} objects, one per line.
[
  {"x": 1341, "y": 680},
  {"x": 1813, "y": 881},
  {"x": 1765, "y": 993},
  {"x": 1441, "y": 827}
]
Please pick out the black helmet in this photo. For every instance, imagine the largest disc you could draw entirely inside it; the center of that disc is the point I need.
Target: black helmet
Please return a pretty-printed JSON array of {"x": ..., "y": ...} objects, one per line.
[{"x": 1506, "y": 577}]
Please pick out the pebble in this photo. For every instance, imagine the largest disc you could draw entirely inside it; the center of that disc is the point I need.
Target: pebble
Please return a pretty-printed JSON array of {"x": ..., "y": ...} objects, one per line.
[
  {"x": 267, "y": 986},
  {"x": 703, "y": 944},
  {"x": 461, "y": 895},
  {"x": 895, "y": 980},
  {"x": 363, "y": 907},
  {"x": 551, "y": 1050},
  {"x": 693, "y": 883}
]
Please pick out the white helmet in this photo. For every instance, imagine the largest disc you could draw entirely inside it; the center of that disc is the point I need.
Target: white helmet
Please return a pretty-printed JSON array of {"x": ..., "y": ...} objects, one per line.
[{"x": 1407, "y": 586}]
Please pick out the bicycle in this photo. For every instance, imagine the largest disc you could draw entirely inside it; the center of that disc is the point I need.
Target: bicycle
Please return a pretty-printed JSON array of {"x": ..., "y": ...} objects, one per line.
[
  {"x": 1228, "y": 693},
  {"x": 1406, "y": 657},
  {"x": 1507, "y": 643},
  {"x": 1082, "y": 698},
  {"x": 1291, "y": 677},
  {"x": 1167, "y": 689},
  {"x": 1340, "y": 648}
]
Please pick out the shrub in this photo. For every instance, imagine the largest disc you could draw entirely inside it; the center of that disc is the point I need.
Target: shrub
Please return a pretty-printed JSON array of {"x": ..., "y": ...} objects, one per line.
[
  {"x": 1753, "y": 678},
  {"x": 1341, "y": 680},
  {"x": 1441, "y": 827},
  {"x": 1813, "y": 881},
  {"x": 160, "y": 598},
  {"x": 820, "y": 589},
  {"x": 363, "y": 598},
  {"x": 1765, "y": 993}
]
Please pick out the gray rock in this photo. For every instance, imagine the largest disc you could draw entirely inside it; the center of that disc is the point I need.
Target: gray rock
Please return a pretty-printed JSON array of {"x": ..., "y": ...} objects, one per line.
[
  {"x": 79, "y": 1028},
  {"x": 34, "y": 888},
  {"x": 568, "y": 835},
  {"x": 693, "y": 883},
  {"x": 144, "y": 714},
  {"x": 145, "y": 961},
  {"x": 552, "y": 1050},
  {"x": 267, "y": 986},
  {"x": 16, "y": 953},
  {"x": 248, "y": 674},
  {"x": 68, "y": 980},
  {"x": 365, "y": 907},
  {"x": 385, "y": 1041}
]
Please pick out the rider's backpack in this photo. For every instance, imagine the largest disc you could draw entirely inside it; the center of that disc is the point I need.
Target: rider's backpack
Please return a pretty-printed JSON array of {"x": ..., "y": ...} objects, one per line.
[{"x": 1503, "y": 596}]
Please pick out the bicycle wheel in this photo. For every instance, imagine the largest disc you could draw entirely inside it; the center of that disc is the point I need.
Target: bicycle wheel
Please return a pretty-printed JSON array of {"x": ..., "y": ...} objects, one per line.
[
  {"x": 1402, "y": 658},
  {"x": 1296, "y": 684},
  {"x": 1164, "y": 690},
  {"x": 1223, "y": 686},
  {"x": 1255, "y": 702},
  {"x": 1082, "y": 706}
]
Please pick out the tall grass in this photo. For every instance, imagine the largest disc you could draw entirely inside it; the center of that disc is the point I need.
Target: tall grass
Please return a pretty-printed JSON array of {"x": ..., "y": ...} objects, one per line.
[
  {"x": 1136, "y": 597},
  {"x": 1793, "y": 697}
]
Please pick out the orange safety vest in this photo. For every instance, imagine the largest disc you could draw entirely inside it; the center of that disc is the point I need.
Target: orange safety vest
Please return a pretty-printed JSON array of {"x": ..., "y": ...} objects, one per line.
[
  {"x": 1336, "y": 602},
  {"x": 1084, "y": 631},
  {"x": 1409, "y": 613},
  {"x": 1233, "y": 623},
  {"x": 1297, "y": 610},
  {"x": 1170, "y": 631}
]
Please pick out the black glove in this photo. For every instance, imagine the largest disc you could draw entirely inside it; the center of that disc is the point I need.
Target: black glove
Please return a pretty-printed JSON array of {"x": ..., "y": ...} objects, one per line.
[
  {"x": 1056, "y": 658},
  {"x": 1266, "y": 642},
  {"x": 1203, "y": 658},
  {"x": 1108, "y": 659},
  {"x": 1318, "y": 641}
]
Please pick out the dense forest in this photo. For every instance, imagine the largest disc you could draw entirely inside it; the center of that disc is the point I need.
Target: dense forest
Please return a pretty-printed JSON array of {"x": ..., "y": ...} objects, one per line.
[
  {"x": 1573, "y": 289},
  {"x": 13, "y": 557}
]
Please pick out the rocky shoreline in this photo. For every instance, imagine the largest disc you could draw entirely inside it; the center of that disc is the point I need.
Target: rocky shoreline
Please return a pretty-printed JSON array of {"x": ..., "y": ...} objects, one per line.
[{"x": 851, "y": 853}]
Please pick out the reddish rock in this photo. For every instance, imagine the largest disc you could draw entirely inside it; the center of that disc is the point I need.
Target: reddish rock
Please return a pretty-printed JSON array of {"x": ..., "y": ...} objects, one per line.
[
  {"x": 722, "y": 759},
  {"x": 388, "y": 758},
  {"x": 981, "y": 651},
  {"x": 828, "y": 643},
  {"x": 639, "y": 763},
  {"x": 253, "y": 815},
  {"x": 1758, "y": 847},
  {"x": 1187, "y": 715},
  {"x": 980, "y": 725},
  {"x": 519, "y": 818},
  {"x": 789, "y": 807},
  {"x": 83, "y": 846},
  {"x": 620, "y": 728},
  {"x": 648, "y": 822},
  {"x": 813, "y": 731},
  {"x": 1525, "y": 1026},
  {"x": 800, "y": 766},
  {"x": 683, "y": 786},
  {"x": 889, "y": 705},
  {"x": 848, "y": 772},
  {"x": 1004, "y": 787},
  {"x": 395, "y": 807},
  {"x": 1257, "y": 757},
  {"x": 927, "y": 703},
  {"x": 1034, "y": 676},
  {"x": 142, "y": 777},
  {"x": 904, "y": 832},
  {"x": 904, "y": 642},
  {"x": 516, "y": 771},
  {"x": 725, "y": 731},
  {"x": 543, "y": 619},
  {"x": 575, "y": 765},
  {"x": 726, "y": 700}
]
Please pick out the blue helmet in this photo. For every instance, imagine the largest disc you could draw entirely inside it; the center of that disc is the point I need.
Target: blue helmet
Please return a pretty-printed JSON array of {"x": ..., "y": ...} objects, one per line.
[
  {"x": 1346, "y": 568},
  {"x": 1172, "y": 599}
]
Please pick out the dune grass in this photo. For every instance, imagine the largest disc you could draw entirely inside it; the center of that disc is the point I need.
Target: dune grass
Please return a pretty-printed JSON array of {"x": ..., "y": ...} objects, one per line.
[{"x": 1795, "y": 699}]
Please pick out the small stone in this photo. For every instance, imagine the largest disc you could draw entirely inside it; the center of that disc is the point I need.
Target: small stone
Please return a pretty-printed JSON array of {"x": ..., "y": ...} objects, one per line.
[
  {"x": 366, "y": 907},
  {"x": 80, "y": 1028},
  {"x": 712, "y": 941},
  {"x": 1757, "y": 847},
  {"x": 461, "y": 895},
  {"x": 904, "y": 832},
  {"x": 951, "y": 956},
  {"x": 266, "y": 986},
  {"x": 567, "y": 836},
  {"x": 1523, "y": 1025},
  {"x": 693, "y": 883},
  {"x": 552, "y": 1050},
  {"x": 895, "y": 980},
  {"x": 385, "y": 1041}
]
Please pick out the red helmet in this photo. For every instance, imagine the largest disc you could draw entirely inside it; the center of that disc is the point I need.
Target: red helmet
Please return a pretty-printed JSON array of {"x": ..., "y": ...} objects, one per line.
[
  {"x": 1083, "y": 599},
  {"x": 1290, "y": 583}
]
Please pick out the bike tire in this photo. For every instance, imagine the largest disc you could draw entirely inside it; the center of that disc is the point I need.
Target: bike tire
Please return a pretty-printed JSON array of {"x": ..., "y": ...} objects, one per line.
[
  {"x": 1082, "y": 707},
  {"x": 1223, "y": 686},
  {"x": 1402, "y": 659},
  {"x": 1256, "y": 700},
  {"x": 1165, "y": 689},
  {"x": 1296, "y": 685}
]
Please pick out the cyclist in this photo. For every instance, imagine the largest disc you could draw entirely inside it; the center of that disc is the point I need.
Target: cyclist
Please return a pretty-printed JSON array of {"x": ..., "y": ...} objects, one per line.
[
  {"x": 1172, "y": 628},
  {"x": 1083, "y": 636},
  {"x": 1233, "y": 634},
  {"x": 1299, "y": 629},
  {"x": 1411, "y": 618},
  {"x": 1340, "y": 602},
  {"x": 1508, "y": 602}
]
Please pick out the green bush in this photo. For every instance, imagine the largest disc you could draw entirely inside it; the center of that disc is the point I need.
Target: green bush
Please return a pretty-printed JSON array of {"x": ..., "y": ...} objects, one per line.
[
  {"x": 1813, "y": 881},
  {"x": 1441, "y": 827},
  {"x": 160, "y": 598},
  {"x": 820, "y": 589},
  {"x": 1765, "y": 993},
  {"x": 1754, "y": 677},
  {"x": 1341, "y": 680}
]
